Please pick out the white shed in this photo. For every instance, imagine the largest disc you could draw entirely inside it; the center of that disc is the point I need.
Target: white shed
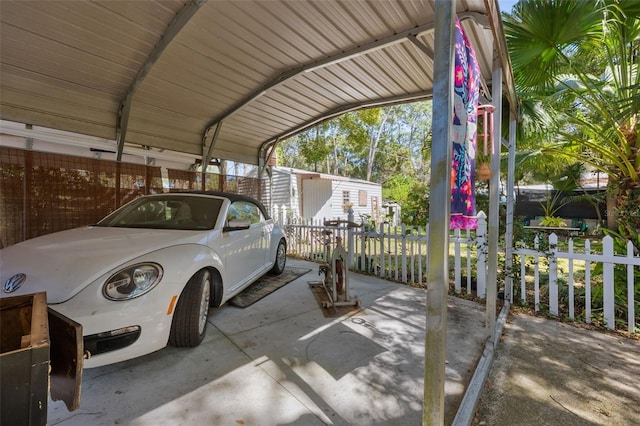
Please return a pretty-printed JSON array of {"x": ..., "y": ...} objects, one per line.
[{"x": 318, "y": 196}]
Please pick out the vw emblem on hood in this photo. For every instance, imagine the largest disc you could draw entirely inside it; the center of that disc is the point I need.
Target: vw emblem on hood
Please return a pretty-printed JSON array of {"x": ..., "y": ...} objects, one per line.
[{"x": 14, "y": 283}]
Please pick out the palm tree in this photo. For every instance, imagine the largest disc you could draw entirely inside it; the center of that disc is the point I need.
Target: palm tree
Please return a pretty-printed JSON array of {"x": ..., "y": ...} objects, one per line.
[{"x": 576, "y": 64}]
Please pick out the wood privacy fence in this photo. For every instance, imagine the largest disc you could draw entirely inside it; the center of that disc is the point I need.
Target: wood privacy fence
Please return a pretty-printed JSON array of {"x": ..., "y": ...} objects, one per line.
[
  {"x": 41, "y": 192},
  {"x": 591, "y": 287}
]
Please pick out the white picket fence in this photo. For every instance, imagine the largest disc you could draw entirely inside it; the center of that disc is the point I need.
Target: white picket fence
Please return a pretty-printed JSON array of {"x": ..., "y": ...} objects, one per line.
[
  {"x": 400, "y": 253},
  {"x": 609, "y": 260}
]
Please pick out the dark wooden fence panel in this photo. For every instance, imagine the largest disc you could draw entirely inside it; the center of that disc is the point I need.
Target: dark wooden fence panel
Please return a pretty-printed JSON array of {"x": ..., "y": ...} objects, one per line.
[{"x": 41, "y": 193}]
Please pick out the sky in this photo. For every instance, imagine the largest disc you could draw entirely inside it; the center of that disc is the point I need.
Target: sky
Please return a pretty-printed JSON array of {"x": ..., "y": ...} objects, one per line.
[{"x": 506, "y": 5}]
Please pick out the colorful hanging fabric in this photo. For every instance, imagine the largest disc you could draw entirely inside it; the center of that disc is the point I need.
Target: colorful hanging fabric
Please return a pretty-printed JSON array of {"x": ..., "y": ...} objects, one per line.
[{"x": 465, "y": 108}]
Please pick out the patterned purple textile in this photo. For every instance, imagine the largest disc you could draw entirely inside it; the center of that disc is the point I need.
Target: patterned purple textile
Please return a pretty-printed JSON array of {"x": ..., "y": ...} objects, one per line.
[{"x": 465, "y": 109}]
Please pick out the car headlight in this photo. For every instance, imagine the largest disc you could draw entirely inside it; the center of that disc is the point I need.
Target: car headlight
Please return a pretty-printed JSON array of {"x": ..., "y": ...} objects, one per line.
[{"x": 132, "y": 281}]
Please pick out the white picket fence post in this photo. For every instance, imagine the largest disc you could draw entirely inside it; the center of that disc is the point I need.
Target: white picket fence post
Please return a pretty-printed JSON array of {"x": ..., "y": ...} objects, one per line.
[
  {"x": 607, "y": 281},
  {"x": 283, "y": 214},
  {"x": 536, "y": 275},
  {"x": 426, "y": 244},
  {"x": 404, "y": 252},
  {"x": 571, "y": 283},
  {"x": 630, "y": 290},
  {"x": 523, "y": 275},
  {"x": 364, "y": 259},
  {"x": 351, "y": 238},
  {"x": 468, "y": 261},
  {"x": 553, "y": 274},
  {"x": 587, "y": 283},
  {"x": 382, "y": 260},
  {"x": 456, "y": 261},
  {"x": 481, "y": 249}
]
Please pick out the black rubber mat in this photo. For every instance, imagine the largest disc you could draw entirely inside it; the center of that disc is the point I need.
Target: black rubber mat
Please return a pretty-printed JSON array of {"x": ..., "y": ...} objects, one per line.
[{"x": 265, "y": 286}]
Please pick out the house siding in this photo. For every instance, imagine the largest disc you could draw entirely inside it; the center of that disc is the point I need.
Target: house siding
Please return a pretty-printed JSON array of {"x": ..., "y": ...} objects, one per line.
[
  {"x": 318, "y": 196},
  {"x": 362, "y": 203},
  {"x": 318, "y": 199},
  {"x": 285, "y": 192}
]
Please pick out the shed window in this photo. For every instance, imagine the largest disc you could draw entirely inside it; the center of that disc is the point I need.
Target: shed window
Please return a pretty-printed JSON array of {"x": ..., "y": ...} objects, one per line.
[
  {"x": 346, "y": 201},
  {"x": 362, "y": 198}
]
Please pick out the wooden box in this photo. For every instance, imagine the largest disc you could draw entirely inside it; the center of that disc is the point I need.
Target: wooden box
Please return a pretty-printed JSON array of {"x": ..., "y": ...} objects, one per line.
[
  {"x": 24, "y": 360},
  {"x": 40, "y": 350}
]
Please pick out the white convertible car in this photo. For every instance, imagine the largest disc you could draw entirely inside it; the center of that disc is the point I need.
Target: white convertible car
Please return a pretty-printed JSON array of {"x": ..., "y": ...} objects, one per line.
[{"x": 145, "y": 275}]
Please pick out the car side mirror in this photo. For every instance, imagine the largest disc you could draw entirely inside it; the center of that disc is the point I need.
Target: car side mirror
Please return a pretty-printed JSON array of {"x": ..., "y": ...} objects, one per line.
[{"x": 237, "y": 225}]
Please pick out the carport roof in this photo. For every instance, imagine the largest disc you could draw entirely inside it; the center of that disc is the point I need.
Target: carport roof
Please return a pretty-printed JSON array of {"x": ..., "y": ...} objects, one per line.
[{"x": 222, "y": 79}]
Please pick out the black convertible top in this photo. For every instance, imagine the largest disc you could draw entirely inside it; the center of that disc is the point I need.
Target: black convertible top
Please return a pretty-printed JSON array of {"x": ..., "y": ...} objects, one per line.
[{"x": 231, "y": 196}]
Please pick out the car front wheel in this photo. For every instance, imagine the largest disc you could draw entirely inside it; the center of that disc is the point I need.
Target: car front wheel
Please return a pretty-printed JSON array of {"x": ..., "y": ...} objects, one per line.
[
  {"x": 281, "y": 259},
  {"x": 189, "y": 324}
]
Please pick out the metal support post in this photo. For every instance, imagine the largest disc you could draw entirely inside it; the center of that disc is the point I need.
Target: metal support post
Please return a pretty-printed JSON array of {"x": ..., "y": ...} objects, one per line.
[{"x": 440, "y": 200}]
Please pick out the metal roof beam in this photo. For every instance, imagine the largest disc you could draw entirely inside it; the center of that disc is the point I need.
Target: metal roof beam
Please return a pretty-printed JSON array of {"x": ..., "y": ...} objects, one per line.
[
  {"x": 331, "y": 60},
  {"x": 89, "y": 142},
  {"x": 179, "y": 21},
  {"x": 414, "y": 97},
  {"x": 339, "y": 111},
  {"x": 420, "y": 45},
  {"x": 410, "y": 34}
]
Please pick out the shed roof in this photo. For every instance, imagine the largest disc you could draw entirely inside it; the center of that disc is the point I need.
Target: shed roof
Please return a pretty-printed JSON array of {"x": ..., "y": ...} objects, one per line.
[
  {"x": 221, "y": 79},
  {"x": 307, "y": 174}
]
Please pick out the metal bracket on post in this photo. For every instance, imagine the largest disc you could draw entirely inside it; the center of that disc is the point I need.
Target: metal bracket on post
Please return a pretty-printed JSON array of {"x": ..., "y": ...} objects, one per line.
[
  {"x": 207, "y": 152},
  {"x": 269, "y": 150}
]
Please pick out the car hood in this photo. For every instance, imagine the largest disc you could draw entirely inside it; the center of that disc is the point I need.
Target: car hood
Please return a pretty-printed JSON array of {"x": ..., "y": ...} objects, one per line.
[{"x": 63, "y": 263}]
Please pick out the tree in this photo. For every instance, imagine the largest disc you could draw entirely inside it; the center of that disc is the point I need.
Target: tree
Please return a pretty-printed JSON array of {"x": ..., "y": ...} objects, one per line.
[
  {"x": 398, "y": 188},
  {"x": 578, "y": 61},
  {"x": 365, "y": 129},
  {"x": 415, "y": 211},
  {"x": 316, "y": 146},
  {"x": 373, "y": 144}
]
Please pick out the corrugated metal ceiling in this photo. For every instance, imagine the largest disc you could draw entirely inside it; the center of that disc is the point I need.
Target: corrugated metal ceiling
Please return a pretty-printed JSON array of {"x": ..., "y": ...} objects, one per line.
[{"x": 218, "y": 78}]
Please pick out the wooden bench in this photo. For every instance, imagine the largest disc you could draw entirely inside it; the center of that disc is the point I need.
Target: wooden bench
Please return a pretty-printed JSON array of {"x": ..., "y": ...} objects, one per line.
[{"x": 565, "y": 231}]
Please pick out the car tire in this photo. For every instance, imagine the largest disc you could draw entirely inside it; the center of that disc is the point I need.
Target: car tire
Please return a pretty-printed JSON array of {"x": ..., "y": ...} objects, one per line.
[
  {"x": 281, "y": 259},
  {"x": 216, "y": 290},
  {"x": 189, "y": 324}
]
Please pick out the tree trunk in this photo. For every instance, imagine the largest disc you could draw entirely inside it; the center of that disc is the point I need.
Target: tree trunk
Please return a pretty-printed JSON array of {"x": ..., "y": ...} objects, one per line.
[
  {"x": 374, "y": 140},
  {"x": 623, "y": 208},
  {"x": 612, "y": 210}
]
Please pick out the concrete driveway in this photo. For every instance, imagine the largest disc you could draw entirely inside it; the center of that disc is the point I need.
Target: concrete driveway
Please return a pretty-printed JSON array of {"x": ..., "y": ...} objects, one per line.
[
  {"x": 281, "y": 361},
  {"x": 549, "y": 373}
]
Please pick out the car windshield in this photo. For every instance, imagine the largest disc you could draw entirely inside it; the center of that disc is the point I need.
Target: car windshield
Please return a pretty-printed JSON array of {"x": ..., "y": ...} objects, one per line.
[{"x": 167, "y": 212}]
